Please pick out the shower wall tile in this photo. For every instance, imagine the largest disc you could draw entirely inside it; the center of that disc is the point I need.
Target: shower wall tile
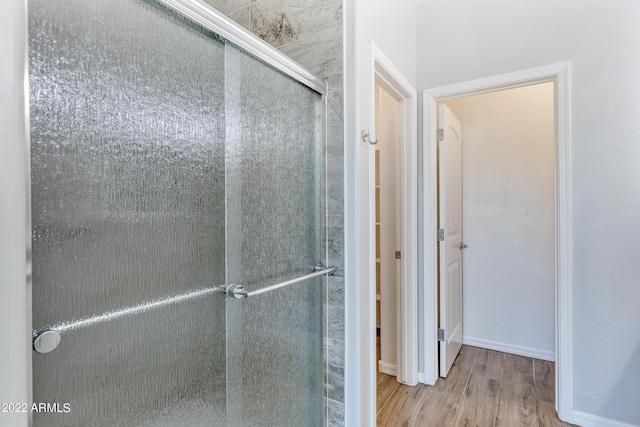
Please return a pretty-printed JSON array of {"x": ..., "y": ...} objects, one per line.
[
  {"x": 336, "y": 255},
  {"x": 335, "y": 220},
  {"x": 228, "y": 6},
  {"x": 336, "y": 294},
  {"x": 335, "y": 413},
  {"x": 335, "y": 121},
  {"x": 335, "y": 350},
  {"x": 335, "y": 188},
  {"x": 335, "y": 340},
  {"x": 335, "y": 383},
  {"x": 335, "y": 326},
  {"x": 242, "y": 17},
  {"x": 279, "y": 22},
  {"x": 335, "y": 372},
  {"x": 321, "y": 53}
]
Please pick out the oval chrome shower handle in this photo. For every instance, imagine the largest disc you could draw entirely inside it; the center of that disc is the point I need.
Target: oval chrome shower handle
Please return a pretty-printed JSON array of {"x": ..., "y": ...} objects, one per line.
[{"x": 45, "y": 341}]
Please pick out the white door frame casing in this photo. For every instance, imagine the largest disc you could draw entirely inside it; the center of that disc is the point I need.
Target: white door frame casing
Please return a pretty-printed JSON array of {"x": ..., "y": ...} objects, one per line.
[
  {"x": 391, "y": 80},
  {"x": 360, "y": 314},
  {"x": 559, "y": 74}
]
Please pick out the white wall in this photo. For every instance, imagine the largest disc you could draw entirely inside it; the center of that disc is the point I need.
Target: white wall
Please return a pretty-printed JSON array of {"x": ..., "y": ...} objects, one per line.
[
  {"x": 466, "y": 39},
  {"x": 15, "y": 327},
  {"x": 508, "y": 219},
  {"x": 392, "y": 27}
]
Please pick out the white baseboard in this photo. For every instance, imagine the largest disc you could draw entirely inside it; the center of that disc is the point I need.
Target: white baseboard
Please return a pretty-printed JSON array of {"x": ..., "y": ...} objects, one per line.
[
  {"x": 587, "y": 420},
  {"x": 387, "y": 368},
  {"x": 509, "y": 348}
]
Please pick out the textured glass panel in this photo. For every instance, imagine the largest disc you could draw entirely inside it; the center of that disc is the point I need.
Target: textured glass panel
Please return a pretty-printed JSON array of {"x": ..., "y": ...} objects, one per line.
[
  {"x": 127, "y": 134},
  {"x": 274, "y": 344}
]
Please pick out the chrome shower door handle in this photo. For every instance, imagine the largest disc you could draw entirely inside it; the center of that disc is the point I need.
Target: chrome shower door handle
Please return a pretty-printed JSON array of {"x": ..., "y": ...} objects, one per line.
[{"x": 239, "y": 291}]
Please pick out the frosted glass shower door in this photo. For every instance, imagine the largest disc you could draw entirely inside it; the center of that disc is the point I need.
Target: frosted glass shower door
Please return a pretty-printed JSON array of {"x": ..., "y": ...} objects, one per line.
[
  {"x": 166, "y": 165},
  {"x": 274, "y": 128},
  {"x": 127, "y": 148}
]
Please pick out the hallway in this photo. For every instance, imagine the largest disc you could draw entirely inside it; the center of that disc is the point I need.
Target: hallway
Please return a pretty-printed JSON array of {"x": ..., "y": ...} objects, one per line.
[{"x": 485, "y": 388}]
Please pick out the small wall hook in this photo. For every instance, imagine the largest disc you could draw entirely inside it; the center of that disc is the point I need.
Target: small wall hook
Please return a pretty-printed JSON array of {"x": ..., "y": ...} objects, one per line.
[{"x": 366, "y": 137}]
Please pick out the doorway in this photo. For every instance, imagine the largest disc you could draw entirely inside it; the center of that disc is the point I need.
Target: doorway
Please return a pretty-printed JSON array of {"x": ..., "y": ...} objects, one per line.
[
  {"x": 507, "y": 227},
  {"x": 388, "y": 200},
  {"x": 388, "y": 241},
  {"x": 392, "y": 152},
  {"x": 558, "y": 74}
]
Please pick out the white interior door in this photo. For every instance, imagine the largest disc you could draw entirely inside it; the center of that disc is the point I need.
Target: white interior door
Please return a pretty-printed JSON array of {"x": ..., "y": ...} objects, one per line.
[{"x": 450, "y": 241}]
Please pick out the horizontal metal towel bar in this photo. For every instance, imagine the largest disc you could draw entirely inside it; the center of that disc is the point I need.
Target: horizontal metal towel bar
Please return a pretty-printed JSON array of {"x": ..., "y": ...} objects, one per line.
[
  {"x": 238, "y": 291},
  {"x": 48, "y": 338}
]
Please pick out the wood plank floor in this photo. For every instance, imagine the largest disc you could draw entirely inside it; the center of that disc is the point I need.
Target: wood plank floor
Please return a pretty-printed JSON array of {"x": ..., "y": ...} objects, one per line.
[{"x": 484, "y": 388}]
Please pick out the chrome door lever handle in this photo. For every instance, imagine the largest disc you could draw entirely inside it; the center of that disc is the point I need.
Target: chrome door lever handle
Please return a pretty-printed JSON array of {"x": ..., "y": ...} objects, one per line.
[{"x": 462, "y": 246}]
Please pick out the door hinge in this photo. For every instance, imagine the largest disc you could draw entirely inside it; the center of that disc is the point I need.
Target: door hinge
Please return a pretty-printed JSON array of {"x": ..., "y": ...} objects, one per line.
[
  {"x": 398, "y": 255},
  {"x": 441, "y": 234},
  {"x": 440, "y": 334},
  {"x": 440, "y": 134}
]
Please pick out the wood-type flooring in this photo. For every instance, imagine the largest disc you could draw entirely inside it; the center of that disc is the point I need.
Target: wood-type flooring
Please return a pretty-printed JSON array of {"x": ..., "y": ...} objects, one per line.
[{"x": 484, "y": 388}]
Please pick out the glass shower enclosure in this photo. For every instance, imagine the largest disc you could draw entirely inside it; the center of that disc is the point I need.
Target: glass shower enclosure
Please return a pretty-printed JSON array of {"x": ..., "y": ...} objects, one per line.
[{"x": 176, "y": 171}]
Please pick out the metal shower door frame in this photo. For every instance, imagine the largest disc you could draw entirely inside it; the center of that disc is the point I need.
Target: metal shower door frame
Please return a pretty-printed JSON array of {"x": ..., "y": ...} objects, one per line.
[{"x": 202, "y": 14}]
